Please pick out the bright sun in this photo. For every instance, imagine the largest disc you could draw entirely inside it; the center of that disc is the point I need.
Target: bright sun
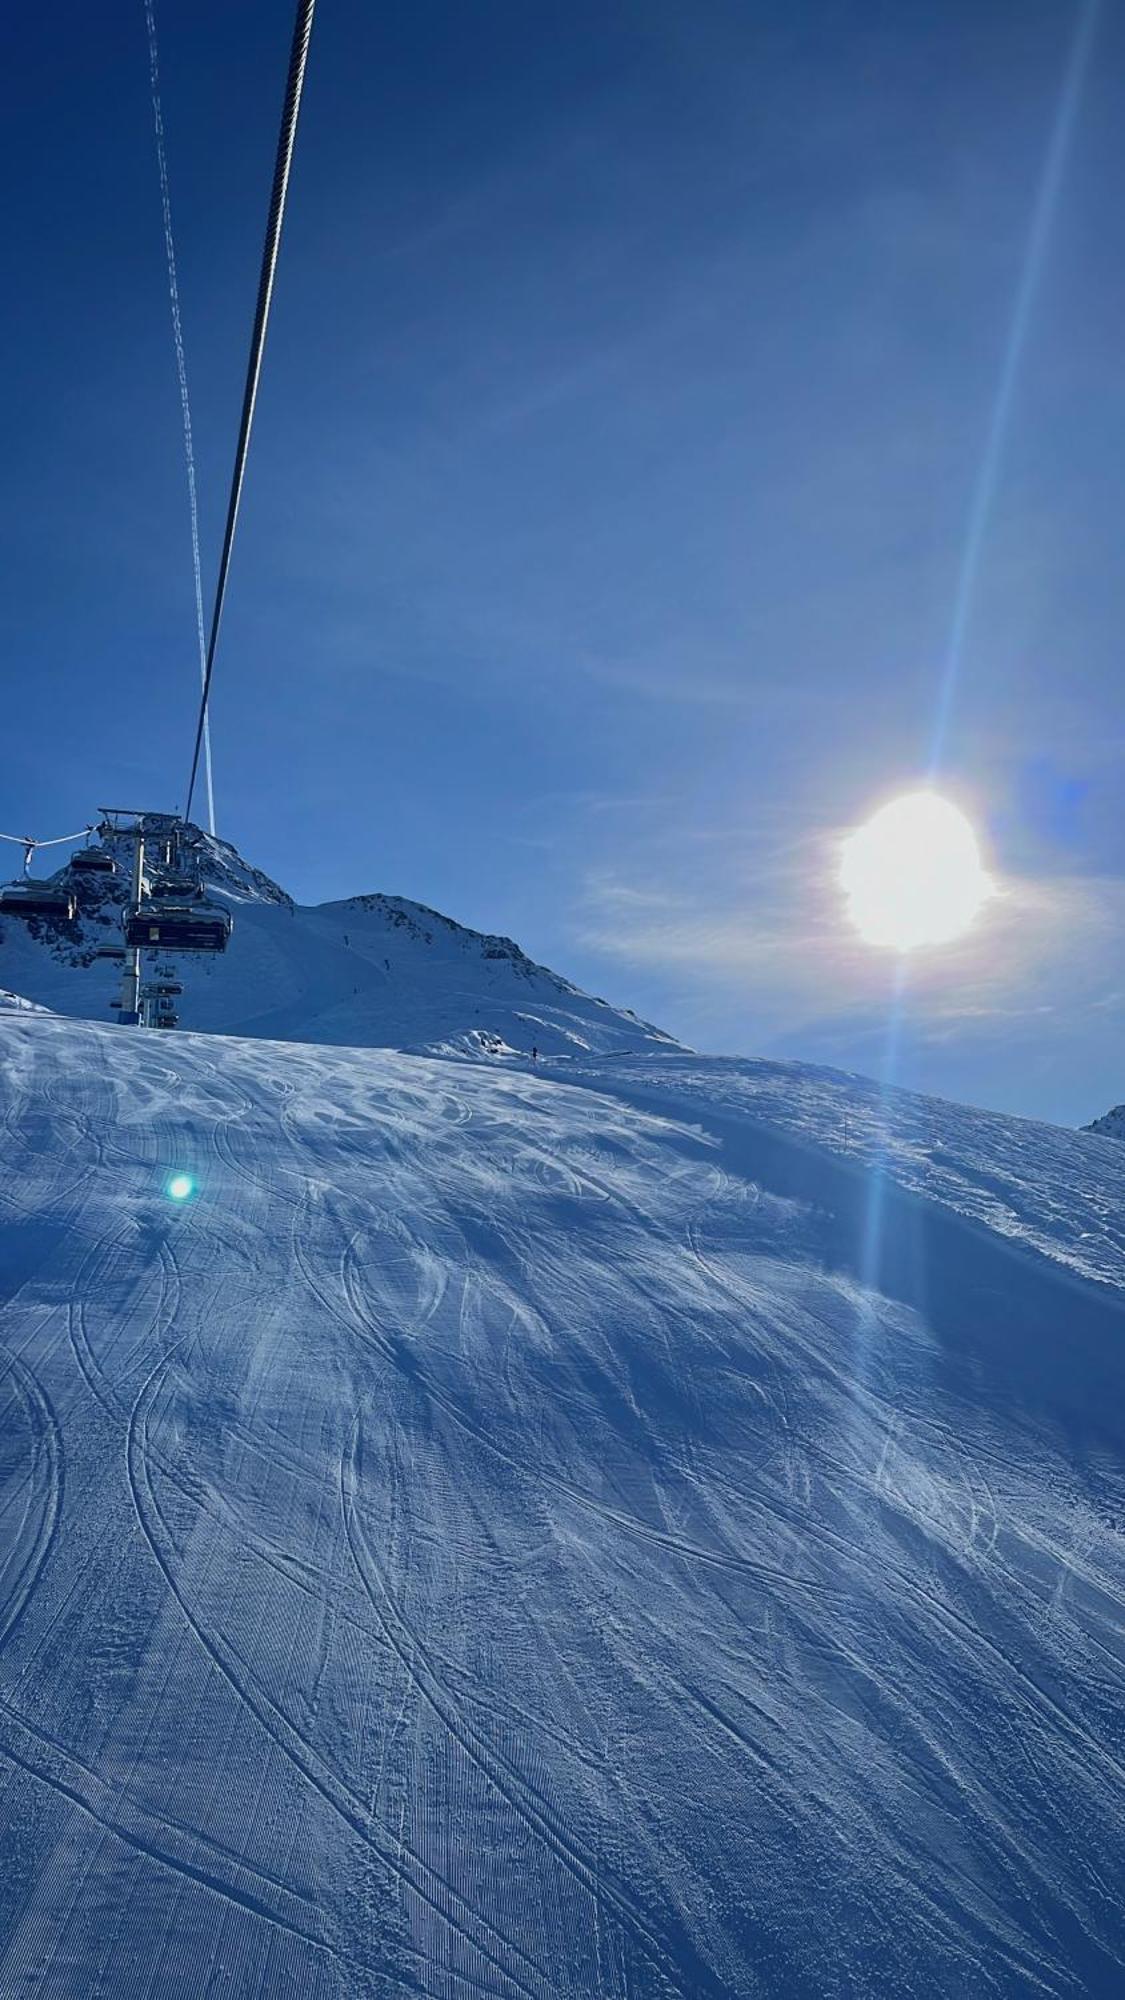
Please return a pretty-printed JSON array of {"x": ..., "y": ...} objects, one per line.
[{"x": 913, "y": 873}]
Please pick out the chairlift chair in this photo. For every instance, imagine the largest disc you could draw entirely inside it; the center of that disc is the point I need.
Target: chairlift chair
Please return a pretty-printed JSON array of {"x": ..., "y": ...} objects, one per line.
[
  {"x": 93, "y": 861},
  {"x": 38, "y": 899},
  {"x": 166, "y": 887},
  {"x": 172, "y": 927},
  {"x": 158, "y": 1005}
]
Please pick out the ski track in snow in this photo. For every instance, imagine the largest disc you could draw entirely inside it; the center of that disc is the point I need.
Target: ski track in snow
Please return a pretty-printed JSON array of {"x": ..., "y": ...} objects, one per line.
[{"x": 509, "y": 1535}]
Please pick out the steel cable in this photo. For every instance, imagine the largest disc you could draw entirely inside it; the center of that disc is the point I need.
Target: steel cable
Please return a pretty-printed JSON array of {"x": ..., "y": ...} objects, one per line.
[
  {"x": 60, "y": 839},
  {"x": 297, "y": 61}
]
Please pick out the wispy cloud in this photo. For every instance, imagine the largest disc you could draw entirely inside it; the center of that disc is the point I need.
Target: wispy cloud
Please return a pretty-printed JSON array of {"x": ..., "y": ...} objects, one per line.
[{"x": 777, "y": 941}]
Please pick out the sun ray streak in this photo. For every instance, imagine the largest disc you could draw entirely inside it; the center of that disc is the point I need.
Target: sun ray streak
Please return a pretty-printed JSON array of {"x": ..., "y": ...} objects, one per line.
[{"x": 985, "y": 488}]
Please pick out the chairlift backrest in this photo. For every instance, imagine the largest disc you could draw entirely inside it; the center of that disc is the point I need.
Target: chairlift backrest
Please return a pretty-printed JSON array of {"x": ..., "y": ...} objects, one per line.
[
  {"x": 166, "y": 887},
  {"x": 93, "y": 861},
  {"x": 171, "y": 927},
  {"x": 38, "y": 899}
]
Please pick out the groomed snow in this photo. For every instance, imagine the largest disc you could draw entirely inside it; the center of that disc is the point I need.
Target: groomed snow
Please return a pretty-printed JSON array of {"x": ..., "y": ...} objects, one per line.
[{"x": 638, "y": 1528}]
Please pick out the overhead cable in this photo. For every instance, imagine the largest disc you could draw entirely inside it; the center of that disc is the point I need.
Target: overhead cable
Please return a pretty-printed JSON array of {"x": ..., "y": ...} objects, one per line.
[
  {"x": 298, "y": 58},
  {"x": 59, "y": 840}
]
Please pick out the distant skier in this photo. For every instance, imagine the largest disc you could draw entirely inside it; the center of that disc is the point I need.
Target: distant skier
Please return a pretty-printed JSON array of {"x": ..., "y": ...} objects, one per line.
[{"x": 534, "y": 1053}]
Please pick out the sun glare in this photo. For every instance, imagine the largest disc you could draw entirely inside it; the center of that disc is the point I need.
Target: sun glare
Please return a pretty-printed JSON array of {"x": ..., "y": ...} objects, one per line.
[{"x": 913, "y": 875}]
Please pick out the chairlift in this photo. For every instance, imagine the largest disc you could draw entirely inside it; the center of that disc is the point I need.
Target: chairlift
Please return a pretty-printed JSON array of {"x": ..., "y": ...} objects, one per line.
[
  {"x": 93, "y": 861},
  {"x": 115, "y": 951},
  {"x": 38, "y": 899},
  {"x": 167, "y": 887},
  {"x": 159, "y": 1006},
  {"x": 171, "y": 927}
]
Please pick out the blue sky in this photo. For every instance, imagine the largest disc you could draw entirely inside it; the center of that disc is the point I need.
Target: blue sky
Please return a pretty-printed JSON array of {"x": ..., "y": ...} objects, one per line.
[{"x": 630, "y": 379}]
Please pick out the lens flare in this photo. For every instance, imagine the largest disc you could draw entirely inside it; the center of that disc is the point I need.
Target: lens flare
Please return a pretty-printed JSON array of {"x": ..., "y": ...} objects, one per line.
[
  {"x": 181, "y": 1186},
  {"x": 913, "y": 875}
]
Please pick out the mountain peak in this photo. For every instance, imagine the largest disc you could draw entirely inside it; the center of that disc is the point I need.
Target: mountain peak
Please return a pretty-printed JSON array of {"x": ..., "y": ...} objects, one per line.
[
  {"x": 370, "y": 970},
  {"x": 1111, "y": 1126},
  {"x": 222, "y": 867}
]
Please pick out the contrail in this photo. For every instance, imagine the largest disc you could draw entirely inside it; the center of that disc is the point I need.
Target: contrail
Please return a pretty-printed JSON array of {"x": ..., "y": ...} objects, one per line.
[
  {"x": 984, "y": 492},
  {"x": 181, "y": 369}
]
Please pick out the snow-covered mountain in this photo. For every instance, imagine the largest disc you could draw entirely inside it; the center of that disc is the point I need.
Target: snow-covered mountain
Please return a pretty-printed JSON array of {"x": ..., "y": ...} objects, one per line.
[
  {"x": 1112, "y": 1126},
  {"x": 642, "y": 1528},
  {"x": 370, "y": 970}
]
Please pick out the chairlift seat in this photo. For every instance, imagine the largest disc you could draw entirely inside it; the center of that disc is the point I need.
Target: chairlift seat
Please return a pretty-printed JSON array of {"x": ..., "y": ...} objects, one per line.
[
  {"x": 168, "y": 888},
  {"x": 93, "y": 861},
  {"x": 171, "y": 927},
  {"x": 38, "y": 899}
]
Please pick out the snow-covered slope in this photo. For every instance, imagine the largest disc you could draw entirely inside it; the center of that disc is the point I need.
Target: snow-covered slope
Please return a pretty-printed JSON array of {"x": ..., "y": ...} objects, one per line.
[
  {"x": 371, "y": 970},
  {"x": 14, "y": 1003},
  {"x": 1112, "y": 1126},
  {"x": 651, "y": 1527}
]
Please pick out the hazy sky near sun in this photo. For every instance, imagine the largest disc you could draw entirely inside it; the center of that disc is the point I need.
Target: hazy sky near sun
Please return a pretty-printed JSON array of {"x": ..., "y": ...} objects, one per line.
[{"x": 630, "y": 379}]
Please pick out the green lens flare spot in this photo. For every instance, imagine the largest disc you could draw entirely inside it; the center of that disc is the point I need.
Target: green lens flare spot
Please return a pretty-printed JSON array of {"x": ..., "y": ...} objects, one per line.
[{"x": 181, "y": 1186}]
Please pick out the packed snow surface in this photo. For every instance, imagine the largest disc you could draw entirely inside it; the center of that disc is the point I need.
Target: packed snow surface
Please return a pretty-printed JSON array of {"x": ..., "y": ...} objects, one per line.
[{"x": 651, "y": 1527}]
